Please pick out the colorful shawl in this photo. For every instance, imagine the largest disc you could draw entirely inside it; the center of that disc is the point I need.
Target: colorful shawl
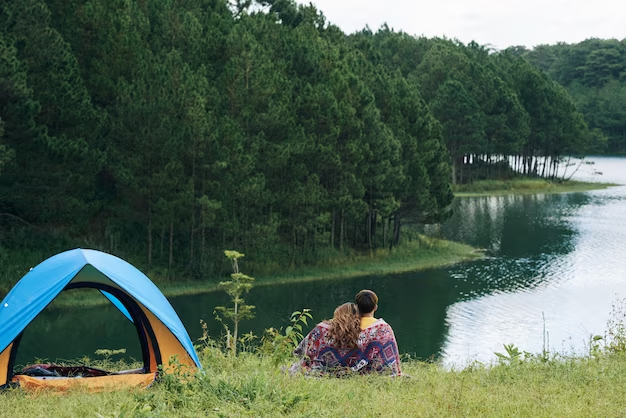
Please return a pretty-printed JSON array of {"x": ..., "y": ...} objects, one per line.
[{"x": 377, "y": 352}]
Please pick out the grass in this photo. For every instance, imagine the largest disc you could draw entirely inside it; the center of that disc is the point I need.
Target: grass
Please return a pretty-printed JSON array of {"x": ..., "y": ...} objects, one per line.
[
  {"x": 524, "y": 186},
  {"x": 519, "y": 384},
  {"x": 253, "y": 385},
  {"x": 420, "y": 253}
]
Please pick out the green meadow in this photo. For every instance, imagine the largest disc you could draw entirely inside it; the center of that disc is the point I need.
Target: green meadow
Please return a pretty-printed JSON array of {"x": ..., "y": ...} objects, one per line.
[{"x": 253, "y": 384}]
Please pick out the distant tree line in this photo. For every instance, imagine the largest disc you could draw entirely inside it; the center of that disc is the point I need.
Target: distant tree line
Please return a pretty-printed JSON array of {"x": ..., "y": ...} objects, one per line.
[
  {"x": 594, "y": 74},
  {"x": 167, "y": 131},
  {"x": 493, "y": 107}
]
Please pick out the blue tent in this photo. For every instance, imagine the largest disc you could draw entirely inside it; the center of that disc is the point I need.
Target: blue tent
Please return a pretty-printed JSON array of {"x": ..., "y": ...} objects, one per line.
[{"x": 161, "y": 333}]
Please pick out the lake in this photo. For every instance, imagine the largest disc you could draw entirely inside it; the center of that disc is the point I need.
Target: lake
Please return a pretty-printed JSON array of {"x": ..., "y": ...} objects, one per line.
[{"x": 554, "y": 267}]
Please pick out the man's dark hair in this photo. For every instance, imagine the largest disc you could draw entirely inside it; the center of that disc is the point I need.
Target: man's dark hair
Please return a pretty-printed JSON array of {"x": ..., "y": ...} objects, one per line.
[{"x": 366, "y": 300}]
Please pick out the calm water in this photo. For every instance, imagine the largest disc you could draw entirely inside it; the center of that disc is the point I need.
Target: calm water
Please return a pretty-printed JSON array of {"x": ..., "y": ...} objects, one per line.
[{"x": 554, "y": 261}]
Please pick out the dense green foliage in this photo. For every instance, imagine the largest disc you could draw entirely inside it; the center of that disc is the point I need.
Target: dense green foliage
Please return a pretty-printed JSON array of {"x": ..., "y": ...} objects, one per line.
[
  {"x": 494, "y": 107},
  {"x": 166, "y": 131},
  {"x": 594, "y": 74}
]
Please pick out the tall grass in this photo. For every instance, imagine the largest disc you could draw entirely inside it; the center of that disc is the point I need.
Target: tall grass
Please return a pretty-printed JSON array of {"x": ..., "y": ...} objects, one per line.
[
  {"x": 416, "y": 252},
  {"x": 523, "y": 186},
  {"x": 252, "y": 385}
]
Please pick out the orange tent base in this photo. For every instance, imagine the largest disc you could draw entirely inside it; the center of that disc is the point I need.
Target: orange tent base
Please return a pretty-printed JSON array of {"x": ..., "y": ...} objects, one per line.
[{"x": 91, "y": 384}]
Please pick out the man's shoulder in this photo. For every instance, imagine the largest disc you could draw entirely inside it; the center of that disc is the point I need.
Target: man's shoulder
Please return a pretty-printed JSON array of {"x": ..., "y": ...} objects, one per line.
[
  {"x": 382, "y": 323},
  {"x": 382, "y": 326}
]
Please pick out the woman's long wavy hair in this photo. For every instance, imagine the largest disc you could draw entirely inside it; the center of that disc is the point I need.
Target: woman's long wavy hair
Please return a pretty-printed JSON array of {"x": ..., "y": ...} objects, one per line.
[{"x": 345, "y": 326}]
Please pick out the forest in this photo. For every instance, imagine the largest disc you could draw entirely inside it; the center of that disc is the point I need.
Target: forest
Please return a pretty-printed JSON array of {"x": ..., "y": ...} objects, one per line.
[
  {"x": 166, "y": 131},
  {"x": 594, "y": 74}
]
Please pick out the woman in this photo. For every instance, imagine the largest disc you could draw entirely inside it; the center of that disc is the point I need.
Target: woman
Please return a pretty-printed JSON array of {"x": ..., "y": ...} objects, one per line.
[
  {"x": 324, "y": 349},
  {"x": 345, "y": 327},
  {"x": 340, "y": 347}
]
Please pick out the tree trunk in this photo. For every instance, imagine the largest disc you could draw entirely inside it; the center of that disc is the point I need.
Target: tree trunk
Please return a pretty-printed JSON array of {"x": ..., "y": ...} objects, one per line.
[
  {"x": 369, "y": 227},
  {"x": 385, "y": 232},
  {"x": 191, "y": 249},
  {"x": 454, "y": 163},
  {"x": 396, "y": 232},
  {"x": 149, "y": 236},
  {"x": 461, "y": 169},
  {"x": 395, "y": 237},
  {"x": 372, "y": 225},
  {"x": 224, "y": 247},
  {"x": 392, "y": 232},
  {"x": 171, "y": 257},
  {"x": 332, "y": 230},
  {"x": 193, "y": 212},
  {"x": 293, "y": 248},
  {"x": 566, "y": 165},
  {"x": 162, "y": 243},
  {"x": 341, "y": 230},
  {"x": 203, "y": 247}
]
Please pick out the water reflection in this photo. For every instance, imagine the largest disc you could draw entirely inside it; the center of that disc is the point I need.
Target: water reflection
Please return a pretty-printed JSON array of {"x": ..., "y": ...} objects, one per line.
[
  {"x": 554, "y": 275},
  {"x": 515, "y": 226}
]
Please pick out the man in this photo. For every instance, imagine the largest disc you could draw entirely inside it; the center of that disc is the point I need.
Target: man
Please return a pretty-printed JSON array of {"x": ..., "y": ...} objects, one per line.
[
  {"x": 367, "y": 302},
  {"x": 377, "y": 341}
]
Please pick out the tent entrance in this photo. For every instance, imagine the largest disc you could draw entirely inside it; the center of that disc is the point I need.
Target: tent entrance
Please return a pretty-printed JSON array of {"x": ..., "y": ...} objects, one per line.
[{"x": 68, "y": 336}]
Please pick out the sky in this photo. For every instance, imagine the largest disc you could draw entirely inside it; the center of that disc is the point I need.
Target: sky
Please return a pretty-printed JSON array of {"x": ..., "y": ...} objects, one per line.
[{"x": 497, "y": 23}]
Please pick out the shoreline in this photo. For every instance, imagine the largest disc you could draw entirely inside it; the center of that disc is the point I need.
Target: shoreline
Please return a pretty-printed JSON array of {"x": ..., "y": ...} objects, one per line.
[
  {"x": 419, "y": 255},
  {"x": 525, "y": 187}
]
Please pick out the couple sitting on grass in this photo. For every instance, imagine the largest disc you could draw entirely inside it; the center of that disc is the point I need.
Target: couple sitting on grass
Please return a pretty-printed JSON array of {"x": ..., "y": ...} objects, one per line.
[{"x": 352, "y": 342}]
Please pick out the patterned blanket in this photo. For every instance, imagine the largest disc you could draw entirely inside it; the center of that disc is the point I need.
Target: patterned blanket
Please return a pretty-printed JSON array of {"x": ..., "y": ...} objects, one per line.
[{"x": 377, "y": 352}]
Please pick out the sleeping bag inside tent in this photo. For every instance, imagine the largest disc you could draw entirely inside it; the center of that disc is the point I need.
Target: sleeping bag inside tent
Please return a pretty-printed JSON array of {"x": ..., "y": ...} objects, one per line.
[{"x": 162, "y": 335}]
